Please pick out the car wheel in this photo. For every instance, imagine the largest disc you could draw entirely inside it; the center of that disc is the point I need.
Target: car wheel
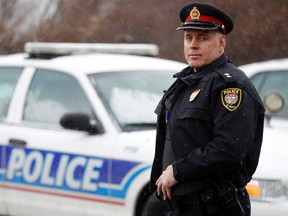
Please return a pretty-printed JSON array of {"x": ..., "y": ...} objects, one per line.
[{"x": 153, "y": 207}]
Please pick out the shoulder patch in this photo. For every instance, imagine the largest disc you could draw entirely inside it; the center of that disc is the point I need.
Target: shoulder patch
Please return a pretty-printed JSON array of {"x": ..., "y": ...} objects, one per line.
[{"x": 231, "y": 98}]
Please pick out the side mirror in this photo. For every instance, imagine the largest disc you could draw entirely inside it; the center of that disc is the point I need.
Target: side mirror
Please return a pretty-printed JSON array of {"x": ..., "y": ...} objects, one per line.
[
  {"x": 81, "y": 122},
  {"x": 274, "y": 102}
]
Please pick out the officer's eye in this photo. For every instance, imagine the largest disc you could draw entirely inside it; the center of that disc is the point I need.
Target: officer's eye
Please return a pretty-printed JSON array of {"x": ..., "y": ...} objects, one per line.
[
  {"x": 187, "y": 38},
  {"x": 203, "y": 38}
]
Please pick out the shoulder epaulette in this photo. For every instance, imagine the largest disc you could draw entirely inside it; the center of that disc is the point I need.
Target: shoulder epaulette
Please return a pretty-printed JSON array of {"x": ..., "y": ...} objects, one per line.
[{"x": 227, "y": 76}]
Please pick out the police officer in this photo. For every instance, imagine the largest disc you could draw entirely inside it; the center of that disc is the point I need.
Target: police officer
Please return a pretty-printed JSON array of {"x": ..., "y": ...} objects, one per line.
[{"x": 210, "y": 125}]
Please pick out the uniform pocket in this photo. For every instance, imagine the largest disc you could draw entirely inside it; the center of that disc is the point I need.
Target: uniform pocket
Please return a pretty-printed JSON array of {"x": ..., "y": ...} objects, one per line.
[{"x": 195, "y": 113}]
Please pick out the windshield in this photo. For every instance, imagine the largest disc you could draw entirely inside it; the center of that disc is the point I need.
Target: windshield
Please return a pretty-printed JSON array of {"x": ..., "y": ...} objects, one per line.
[{"x": 132, "y": 96}]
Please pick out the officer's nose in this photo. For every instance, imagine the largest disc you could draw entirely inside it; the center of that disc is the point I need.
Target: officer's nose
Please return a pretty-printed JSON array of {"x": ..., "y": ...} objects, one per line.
[{"x": 194, "y": 44}]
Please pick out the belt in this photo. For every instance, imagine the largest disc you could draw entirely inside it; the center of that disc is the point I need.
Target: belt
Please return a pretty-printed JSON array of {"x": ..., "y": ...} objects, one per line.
[{"x": 196, "y": 199}]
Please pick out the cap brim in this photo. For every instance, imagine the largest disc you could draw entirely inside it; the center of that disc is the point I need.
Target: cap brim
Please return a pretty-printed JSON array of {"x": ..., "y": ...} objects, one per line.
[
  {"x": 205, "y": 26},
  {"x": 198, "y": 28}
]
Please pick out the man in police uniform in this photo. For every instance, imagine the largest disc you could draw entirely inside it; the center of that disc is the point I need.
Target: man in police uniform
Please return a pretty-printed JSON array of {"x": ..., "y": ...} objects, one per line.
[{"x": 210, "y": 125}]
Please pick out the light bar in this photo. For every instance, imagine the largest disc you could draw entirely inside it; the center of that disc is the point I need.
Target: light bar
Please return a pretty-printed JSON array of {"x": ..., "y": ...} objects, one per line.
[{"x": 39, "y": 48}]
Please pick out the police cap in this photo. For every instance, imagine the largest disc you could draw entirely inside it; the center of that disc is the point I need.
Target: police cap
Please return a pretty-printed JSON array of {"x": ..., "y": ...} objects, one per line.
[{"x": 200, "y": 16}]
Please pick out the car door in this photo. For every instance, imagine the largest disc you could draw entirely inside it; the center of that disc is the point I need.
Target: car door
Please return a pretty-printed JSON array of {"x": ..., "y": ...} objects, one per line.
[
  {"x": 8, "y": 80},
  {"x": 51, "y": 170}
]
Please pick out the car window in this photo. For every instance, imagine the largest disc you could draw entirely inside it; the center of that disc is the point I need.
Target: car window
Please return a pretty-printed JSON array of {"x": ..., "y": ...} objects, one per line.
[
  {"x": 273, "y": 81},
  {"x": 8, "y": 80},
  {"x": 53, "y": 94},
  {"x": 257, "y": 80},
  {"x": 132, "y": 96}
]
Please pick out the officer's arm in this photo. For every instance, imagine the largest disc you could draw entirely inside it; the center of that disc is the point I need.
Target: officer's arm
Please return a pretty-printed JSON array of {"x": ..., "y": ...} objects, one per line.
[{"x": 235, "y": 122}]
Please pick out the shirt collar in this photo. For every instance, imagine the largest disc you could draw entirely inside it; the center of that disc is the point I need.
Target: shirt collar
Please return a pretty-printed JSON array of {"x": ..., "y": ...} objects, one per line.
[{"x": 188, "y": 75}]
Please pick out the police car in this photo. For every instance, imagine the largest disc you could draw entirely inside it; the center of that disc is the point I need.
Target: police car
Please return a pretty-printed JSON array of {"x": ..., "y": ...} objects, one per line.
[
  {"x": 269, "y": 187},
  {"x": 78, "y": 129}
]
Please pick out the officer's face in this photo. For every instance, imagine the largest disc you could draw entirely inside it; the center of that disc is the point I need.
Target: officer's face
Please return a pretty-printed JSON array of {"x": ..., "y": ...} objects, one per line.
[{"x": 203, "y": 47}]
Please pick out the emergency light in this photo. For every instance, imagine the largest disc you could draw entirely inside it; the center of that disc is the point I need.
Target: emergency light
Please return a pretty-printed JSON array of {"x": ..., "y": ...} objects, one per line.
[{"x": 50, "y": 50}]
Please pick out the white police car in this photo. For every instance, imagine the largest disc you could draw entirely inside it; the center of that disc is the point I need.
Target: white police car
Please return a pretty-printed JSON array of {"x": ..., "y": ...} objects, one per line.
[
  {"x": 77, "y": 131},
  {"x": 269, "y": 188}
]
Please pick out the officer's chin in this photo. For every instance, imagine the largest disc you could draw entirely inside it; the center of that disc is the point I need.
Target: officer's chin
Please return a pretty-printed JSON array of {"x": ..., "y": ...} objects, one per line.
[{"x": 193, "y": 63}]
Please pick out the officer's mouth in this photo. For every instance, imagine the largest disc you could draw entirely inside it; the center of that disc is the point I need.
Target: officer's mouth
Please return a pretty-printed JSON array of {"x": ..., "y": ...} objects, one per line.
[{"x": 194, "y": 56}]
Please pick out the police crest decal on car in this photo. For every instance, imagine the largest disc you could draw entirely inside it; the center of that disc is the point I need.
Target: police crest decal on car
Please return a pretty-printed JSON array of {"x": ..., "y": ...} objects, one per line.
[{"x": 231, "y": 98}]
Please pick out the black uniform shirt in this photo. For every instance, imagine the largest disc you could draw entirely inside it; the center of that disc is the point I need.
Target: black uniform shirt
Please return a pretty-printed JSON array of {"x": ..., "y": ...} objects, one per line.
[{"x": 216, "y": 126}]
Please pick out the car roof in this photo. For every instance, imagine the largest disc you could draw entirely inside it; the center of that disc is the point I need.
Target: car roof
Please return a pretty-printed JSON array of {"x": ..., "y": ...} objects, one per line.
[
  {"x": 265, "y": 66},
  {"x": 91, "y": 57},
  {"x": 91, "y": 63}
]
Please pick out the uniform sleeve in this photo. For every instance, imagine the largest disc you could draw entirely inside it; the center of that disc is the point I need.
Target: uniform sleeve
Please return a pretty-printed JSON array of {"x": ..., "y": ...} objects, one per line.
[{"x": 235, "y": 116}]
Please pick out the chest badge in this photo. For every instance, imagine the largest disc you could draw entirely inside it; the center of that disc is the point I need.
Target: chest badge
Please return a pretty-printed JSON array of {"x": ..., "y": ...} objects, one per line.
[
  {"x": 231, "y": 98},
  {"x": 194, "y": 95}
]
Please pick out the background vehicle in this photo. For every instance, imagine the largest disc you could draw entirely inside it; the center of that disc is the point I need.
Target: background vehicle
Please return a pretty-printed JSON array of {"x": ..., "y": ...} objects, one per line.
[
  {"x": 270, "y": 182},
  {"x": 78, "y": 131}
]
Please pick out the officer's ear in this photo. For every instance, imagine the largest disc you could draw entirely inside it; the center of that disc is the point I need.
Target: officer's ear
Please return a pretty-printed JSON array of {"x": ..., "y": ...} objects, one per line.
[{"x": 222, "y": 42}]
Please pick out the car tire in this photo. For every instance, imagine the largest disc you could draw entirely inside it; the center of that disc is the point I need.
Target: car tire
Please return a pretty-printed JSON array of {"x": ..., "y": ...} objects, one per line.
[{"x": 152, "y": 207}]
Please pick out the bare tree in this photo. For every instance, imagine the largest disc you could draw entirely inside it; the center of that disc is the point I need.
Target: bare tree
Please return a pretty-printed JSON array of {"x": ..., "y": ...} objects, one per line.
[{"x": 260, "y": 31}]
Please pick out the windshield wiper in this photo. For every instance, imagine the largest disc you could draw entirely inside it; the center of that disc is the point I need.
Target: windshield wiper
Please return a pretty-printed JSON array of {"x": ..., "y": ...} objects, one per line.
[{"x": 139, "y": 126}]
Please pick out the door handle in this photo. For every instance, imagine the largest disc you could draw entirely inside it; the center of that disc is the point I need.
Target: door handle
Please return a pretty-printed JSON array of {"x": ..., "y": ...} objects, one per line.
[{"x": 17, "y": 143}]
